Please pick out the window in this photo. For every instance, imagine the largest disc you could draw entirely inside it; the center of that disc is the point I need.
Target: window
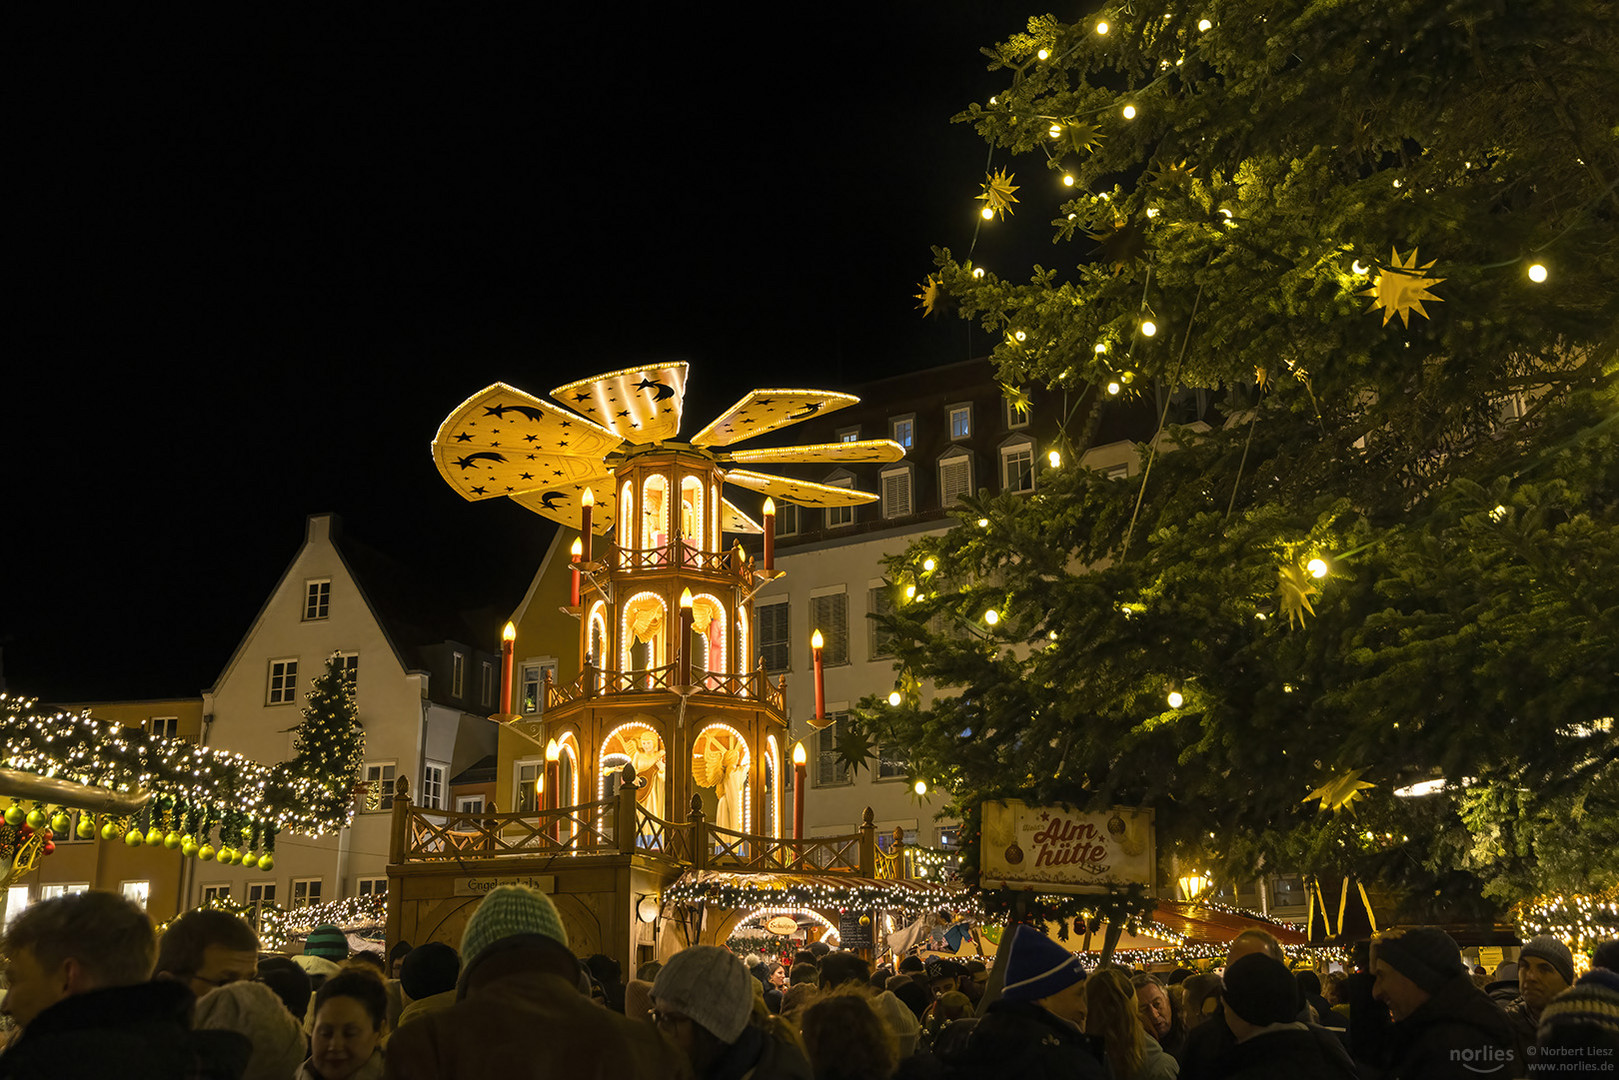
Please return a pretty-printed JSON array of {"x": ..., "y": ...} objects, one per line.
[
  {"x": 433, "y": 786},
  {"x": 211, "y": 893},
  {"x": 488, "y": 694},
  {"x": 526, "y": 786},
  {"x": 371, "y": 886},
  {"x": 961, "y": 421},
  {"x": 879, "y": 601},
  {"x": 1117, "y": 472},
  {"x": 830, "y": 615},
  {"x": 534, "y": 684},
  {"x": 774, "y": 644},
  {"x": 283, "y": 681},
  {"x": 897, "y": 492},
  {"x": 51, "y": 892},
  {"x": 305, "y": 892},
  {"x": 259, "y": 893},
  {"x": 348, "y": 668},
  {"x": 849, "y": 434},
  {"x": 829, "y": 768},
  {"x": 902, "y": 429},
  {"x": 17, "y": 902},
  {"x": 137, "y": 892},
  {"x": 890, "y": 764},
  {"x": 469, "y": 804},
  {"x": 458, "y": 674},
  {"x": 955, "y": 479},
  {"x": 1015, "y": 418},
  {"x": 380, "y": 775},
  {"x": 164, "y": 727},
  {"x": 839, "y": 516},
  {"x": 1017, "y": 467},
  {"x": 317, "y": 599},
  {"x": 786, "y": 519},
  {"x": 949, "y": 836}
]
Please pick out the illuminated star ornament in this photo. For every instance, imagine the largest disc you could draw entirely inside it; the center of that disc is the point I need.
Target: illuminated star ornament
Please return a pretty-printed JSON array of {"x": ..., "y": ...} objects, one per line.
[
  {"x": 1171, "y": 174},
  {"x": 1293, "y": 592},
  {"x": 1122, "y": 246},
  {"x": 503, "y": 442},
  {"x": 1402, "y": 287},
  {"x": 1082, "y": 135},
  {"x": 1339, "y": 792},
  {"x": 997, "y": 196},
  {"x": 932, "y": 296}
]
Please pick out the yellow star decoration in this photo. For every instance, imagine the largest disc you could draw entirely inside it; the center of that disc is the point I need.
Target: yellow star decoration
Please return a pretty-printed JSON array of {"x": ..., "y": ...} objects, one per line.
[
  {"x": 932, "y": 295},
  {"x": 1171, "y": 173},
  {"x": 1262, "y": 377},
  {"x": 1018, "y": 398},
  {"x": 1082, "y": 135},
  {"x": 1339, "y": 792},
  {"x": 1293, "y": 592},
  {"x": 1401, "y": 288},
  {"x": 998, "y": 190}
]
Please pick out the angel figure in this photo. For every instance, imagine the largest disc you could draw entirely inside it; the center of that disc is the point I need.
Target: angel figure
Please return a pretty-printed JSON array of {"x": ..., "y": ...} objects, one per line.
[
  {"x": 648, "y": 762},
  {"x": 720, "y": 765}
]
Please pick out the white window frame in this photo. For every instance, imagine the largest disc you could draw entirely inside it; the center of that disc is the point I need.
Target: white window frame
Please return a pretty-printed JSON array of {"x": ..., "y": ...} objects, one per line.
[
  {"x": 470, "y": 804},
  {"x": 311, "y": 897},
  {"x": 832, "y": 634},
  {"x": 787, "y": 519},
  {"x": 317, "y": 599},
  {"x": 368, "y": 886},
  {"x": 282, "y": 686},
  {"x": 784, "y": 643},
  {"x": 1006, "y": 452},
  {"x": 1015, "y": 420},
  {"x": 907, "y": 424},
  {"x": 964, "y": 410},
  {"x": 386, "y": 772},
  {"x": 433, "y": 784},
  {"x": 348, "y": 668},
  {"x": 163, "y": 727},
  {"x": 840, "y": 517},
  {"x": 212, "y": 889},
  {"x": 518, "y": 767},
  {"x": 488, "y": 694},
  {"x": 259, "y": 893},
  {"x": 893, "y": 506},
  {"x": 535, "y": 666},
  {"x": 138, "y": 891},
  {"x": 951, "y": 458},
  {"x": 1120, "y": 471},
  {"x": 458, "y": 674},
  {"x": 848, "y": 434},
  {"x": 57, "y": 889}
]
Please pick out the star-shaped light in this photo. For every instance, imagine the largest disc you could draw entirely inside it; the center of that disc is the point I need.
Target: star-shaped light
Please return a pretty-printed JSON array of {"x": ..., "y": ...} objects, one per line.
[
  {"x": 932, "y": 296},
  {"x": 1401, "y": 288},
  {"x": 997, "y": 196},
  {"x": 1293, "y": 591},
  {"x": 1339, "y": 792}
]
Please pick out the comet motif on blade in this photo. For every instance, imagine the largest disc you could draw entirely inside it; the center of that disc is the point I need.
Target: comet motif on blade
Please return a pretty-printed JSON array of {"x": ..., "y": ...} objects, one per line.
[
  {"x": 809, "y": 410},
  {"x": 664, "y": 390},
  {"x": 470, "y": 461},
  {"x": 500, "y": 411}
]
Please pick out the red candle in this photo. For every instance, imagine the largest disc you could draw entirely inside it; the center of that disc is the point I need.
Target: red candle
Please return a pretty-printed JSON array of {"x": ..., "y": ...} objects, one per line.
[
  {"x": 577, "y": 551},
  {"x": 820, "y": 682},
  {"x": 587, "y": 503},
  {"x": 799, "y": 771},
  {"x": 770, "y": 536},
  {"x": 683, "y": 649},
  {"x": 553, "y": 781},
  {"x": 508, "y": 642}
]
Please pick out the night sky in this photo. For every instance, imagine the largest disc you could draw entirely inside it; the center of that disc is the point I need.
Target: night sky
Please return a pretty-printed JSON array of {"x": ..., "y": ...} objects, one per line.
[{"x": 264, "y": 256}]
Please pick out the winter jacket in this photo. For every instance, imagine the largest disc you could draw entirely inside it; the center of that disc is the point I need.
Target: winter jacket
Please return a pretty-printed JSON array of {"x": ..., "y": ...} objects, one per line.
[
  {"x": 527, "y": 1024},
  {"x": 757, "y": 1055},
  {"x": 427, "y": 1006},
  {"x": 371, "y": 1070},
  {"x": 1457, "y": 1033},
  {"x": 140, "y": 1032},
  {"x": 1021, "y": 1039},
  {"x": 1286, "y": 1052},
  {"x": 1156, "y": 1063}
]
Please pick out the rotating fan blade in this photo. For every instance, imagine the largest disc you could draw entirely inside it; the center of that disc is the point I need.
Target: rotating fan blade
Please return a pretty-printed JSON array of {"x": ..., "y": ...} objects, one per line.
[
  {"x": 502, "y": 441},
  {"x": 801, "y": 492},
  {"x": 760, "y": 411},
  {"x": 641, "y": 404},
  {"x": 561, "y": 503},
  {"x": 733, "y": 520},
  {"x": 821, "y": 453}
]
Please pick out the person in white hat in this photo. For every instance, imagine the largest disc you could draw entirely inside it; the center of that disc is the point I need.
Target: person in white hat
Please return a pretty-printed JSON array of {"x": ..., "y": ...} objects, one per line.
[{"x": 703, "y": 1002}]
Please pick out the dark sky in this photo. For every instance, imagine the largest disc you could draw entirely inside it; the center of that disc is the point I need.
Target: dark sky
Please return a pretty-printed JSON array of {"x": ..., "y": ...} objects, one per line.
[{"x": 264, "y": 255}]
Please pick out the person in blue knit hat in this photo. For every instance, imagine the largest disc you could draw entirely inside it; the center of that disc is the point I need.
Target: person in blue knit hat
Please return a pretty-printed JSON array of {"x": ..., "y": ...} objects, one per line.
[{"x": 1035, "y": 1030}]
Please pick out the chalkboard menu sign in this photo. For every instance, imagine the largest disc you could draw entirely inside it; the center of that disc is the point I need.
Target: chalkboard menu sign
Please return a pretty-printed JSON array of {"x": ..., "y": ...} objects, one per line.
[{"x": 851, "y": 935}]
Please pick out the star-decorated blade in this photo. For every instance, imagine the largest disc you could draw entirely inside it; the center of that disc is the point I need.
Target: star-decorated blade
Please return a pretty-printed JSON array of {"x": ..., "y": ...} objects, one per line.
[
  {"x": 561, "y": 502},
  {"x": 801, "y": 492},
  {"x": 733, "y": 520},
  {"x": 821, "y": 453},
  {"x": 766, "y": 410},
  {"x": 642, "y": 404},
  {"x": 502, "y": 441}
]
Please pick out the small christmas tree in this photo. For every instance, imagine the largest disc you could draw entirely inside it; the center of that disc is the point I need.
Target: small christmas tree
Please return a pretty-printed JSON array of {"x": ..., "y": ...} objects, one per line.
[{"x": 328, "y": 745}]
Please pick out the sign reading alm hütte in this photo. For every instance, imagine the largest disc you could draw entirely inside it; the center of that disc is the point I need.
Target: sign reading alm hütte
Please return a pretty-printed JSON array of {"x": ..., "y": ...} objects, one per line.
[{"x": 1055, "y": 849}]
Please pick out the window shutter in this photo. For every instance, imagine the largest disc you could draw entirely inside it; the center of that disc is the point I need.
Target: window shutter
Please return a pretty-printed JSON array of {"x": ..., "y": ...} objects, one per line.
[
  {"x": 955, "y": 480},
  {"x": 773, "y": 642},
  {"x": 830, "y": 615},
  {"x": 897, "y": 493}
]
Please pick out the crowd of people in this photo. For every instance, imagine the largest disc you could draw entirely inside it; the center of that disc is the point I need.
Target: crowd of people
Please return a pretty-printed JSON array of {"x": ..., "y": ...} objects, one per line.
[{"x": 92, "y": 991}]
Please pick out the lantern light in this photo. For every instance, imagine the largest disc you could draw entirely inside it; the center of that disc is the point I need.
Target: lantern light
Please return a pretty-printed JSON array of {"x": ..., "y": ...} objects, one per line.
[{"x": 894, "y": 698}]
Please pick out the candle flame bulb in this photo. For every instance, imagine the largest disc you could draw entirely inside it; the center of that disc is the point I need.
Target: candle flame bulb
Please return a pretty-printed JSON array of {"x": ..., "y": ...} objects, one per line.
[
  {"x": 816, "y": 640},
  {"x": 577, "y": 549},
  {"x": 685, "y": 598},
  {"x": 588, "y": 498},
  {"x": 770, "y": 505},
  {"x": 799, "y": 757},
  {"x": 552, "y": 751},
  {"x": 509, "y": 634}
]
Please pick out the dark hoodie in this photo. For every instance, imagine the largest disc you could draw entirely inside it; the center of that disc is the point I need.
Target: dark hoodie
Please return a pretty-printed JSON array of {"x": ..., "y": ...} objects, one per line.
[
  {"x": 1458, "y": 1032},
  {"x": 1022, "y": 1039}
]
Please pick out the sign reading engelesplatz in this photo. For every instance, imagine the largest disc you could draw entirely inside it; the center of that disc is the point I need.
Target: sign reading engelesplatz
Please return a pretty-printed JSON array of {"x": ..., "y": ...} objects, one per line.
[{"x": 1055, "y": 849}]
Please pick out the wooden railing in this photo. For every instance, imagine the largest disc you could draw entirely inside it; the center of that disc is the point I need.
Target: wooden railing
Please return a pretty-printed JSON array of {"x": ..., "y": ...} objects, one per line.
[
  {"x": 668, "y": 838},
  {"x": 678, "y": 554},
  {"x": 594, "y": 681}
]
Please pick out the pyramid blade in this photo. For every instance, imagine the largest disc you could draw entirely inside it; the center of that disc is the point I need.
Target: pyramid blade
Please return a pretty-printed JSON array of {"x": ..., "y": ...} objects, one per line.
[
  {"x": 834, "y": 453},
  {"x": 760, "y": 411},
  {"x": 733, "y": 520},
  {"x": 641, "y": 404},
  {"x": 561, "y": 503},
  {"x": 800, "y": 492},
  {"x": 502, "y": 441}
]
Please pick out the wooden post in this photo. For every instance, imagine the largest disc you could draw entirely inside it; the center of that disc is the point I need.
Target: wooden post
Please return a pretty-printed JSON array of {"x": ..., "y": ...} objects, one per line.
[
  {"x": 868, "y": 845},
  {"x": 398, "y": 842},
  {"x": 896, "y": 852},
  {"x": 699, "y": 834},
  {"x": 624, "y": 824}
]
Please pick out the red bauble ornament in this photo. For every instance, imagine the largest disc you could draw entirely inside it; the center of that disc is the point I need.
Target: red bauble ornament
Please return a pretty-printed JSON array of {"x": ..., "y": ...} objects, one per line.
[
  {"x": 48, "y": 848},
  {"x": 24, "y": 831}
]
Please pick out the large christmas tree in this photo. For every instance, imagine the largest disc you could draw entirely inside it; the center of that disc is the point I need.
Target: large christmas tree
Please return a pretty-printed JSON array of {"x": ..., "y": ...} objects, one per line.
[{"x": 1385, "y": 239}]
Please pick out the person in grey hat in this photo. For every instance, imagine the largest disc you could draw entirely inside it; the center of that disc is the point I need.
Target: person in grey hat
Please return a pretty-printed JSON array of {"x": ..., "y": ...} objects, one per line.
[
  {"x": 1545, "y": 969},
  {"x": 703, "y": 1002}
]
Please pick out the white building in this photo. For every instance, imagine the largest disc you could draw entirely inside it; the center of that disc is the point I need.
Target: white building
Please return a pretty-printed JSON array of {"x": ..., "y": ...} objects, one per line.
[{"x": 423, "y": 698}]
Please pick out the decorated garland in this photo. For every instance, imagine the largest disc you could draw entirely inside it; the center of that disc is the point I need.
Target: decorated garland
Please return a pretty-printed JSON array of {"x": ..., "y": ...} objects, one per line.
[{"x": 278, "y": 926}]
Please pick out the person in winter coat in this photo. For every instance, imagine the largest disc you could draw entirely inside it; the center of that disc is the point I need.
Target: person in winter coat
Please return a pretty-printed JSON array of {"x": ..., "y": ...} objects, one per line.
[
  {"x": 1545, "y": 969},
  {"x": 518, "y": 1010},
  {"x": 1114, "y": 1014},
  {"x": 847, "y": 1040},
  {"x": 1261, "y": 1004},
  {"x": 1444, "y": 1026},
  {"x": 254, "y": 1011},
  {"x": 427, "y": 981},
  {"x": 351, "y": 1017},
  {"x": 703, "y": 1001},
  {"x": 1034, "y": 1031},
  {"x": 78, "y": 971}
]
